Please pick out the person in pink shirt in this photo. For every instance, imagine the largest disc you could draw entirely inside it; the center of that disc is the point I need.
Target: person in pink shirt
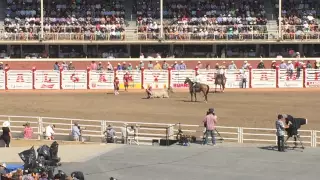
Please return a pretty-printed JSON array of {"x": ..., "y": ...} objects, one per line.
[
  {"x": 210, "y": 122},
  {"x": 93, "y": 65},
  {"x": 27, "y": 132}
]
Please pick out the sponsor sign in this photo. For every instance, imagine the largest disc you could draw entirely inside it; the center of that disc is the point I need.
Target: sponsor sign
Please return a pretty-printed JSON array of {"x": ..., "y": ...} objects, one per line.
[
  {"x": 312, "y": 78},
  {"x": 263, "y": 78},
  {"x": 74, "y": 79},
  {"x": 179, "y": 76},
  {"x": 47, "y": 79},
  {"x": 2, "y": 80},
  {"x": 285, "y": 80},
  {"x": 207, "y": 77},
  {"x": 156, "y": 78},
  {"x": 234, "y": 78},
  {"x": 135, "y": 79},
  {"x": 101, "y": 79},
  {"x": 19, "y": 79}
]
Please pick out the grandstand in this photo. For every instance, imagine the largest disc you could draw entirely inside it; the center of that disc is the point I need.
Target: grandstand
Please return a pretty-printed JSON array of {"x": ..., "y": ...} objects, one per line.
[{"x": 189, "y": 28}]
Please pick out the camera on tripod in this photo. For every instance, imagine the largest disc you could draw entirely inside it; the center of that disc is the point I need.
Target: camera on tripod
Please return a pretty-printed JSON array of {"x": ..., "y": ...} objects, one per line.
[
  {"x": 46, "y": 161},
  {"x": 293, "y": 125}
]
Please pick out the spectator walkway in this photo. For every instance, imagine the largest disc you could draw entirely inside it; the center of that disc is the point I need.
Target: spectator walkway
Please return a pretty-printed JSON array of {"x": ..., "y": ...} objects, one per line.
[{"x": 224, "y": 161}]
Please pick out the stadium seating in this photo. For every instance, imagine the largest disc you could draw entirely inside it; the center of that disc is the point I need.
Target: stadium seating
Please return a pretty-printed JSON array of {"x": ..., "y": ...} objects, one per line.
[
  {"x": 299, "y": 19},
  {"x": 65, "y": 19},
  {"x": 187, "y": 20}
]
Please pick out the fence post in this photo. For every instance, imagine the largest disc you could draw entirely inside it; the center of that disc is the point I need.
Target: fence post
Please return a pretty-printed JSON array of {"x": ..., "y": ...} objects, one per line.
[
  {"x": 277, "y": 76},
  {"x": 33, "y": 77},
  {"x": 103, "y": 127},
  {"x": 88, "y": 77},
  {"x": 304, "y": 76},
  {"x": 142, "y": 78},
  {"x": 314, "y": 138},
  {"x": 250, "y": 76},
  {"x": 240, "y": 135},
  {"x": 39, "y": 127}
]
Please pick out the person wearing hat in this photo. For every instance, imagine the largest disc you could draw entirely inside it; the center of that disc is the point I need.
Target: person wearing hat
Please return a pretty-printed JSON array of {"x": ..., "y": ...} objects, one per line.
[
  {"x": 6, "y": 133},
  {"x": 76, "y": 132},
  {"x": 71, "y": 66},
  {"x": 100, "y": 67},
  {"x": 3, "y": 172},
  {"x": 283, "y": 65},
  {"x": 210, "y": 121},
  {"x": 261, "y": 65},
  {"x": 165, "y": 65},
  {"x": 110, "y": 134},
  {"x": 1, "y": 65},
  {"x": 274, "y": 64},
  {"x": 49, "y": 132},
  {"x": 27, "y": 131}
]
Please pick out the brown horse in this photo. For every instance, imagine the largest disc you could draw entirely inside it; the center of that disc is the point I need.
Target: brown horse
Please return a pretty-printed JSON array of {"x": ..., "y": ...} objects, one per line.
[
  {"x": 221, "y": 80},
  {"x": 199, "y": 88}
]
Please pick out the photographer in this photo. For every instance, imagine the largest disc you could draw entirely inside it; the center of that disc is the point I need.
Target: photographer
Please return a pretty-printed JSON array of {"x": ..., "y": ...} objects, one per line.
[
  {"x": 280, "y": 132},
  {"x": 210, "y": 122}
]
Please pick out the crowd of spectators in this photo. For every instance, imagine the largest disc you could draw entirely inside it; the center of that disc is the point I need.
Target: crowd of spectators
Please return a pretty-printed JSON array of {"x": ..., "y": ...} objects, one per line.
[
  {"x": 87, "y": 19},
  {"x": 229, "y": 19},
  {"x": 299, "y": 19}
]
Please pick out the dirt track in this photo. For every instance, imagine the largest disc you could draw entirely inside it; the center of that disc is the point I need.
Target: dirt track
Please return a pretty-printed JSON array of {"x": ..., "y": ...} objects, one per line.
[{"x": 235, "y": 107}]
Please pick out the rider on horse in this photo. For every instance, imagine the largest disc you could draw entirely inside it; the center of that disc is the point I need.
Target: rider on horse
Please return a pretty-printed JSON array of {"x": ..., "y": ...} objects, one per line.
[
  {"x": 196, "y": 81},
  {"x": 221, "y": 72}
]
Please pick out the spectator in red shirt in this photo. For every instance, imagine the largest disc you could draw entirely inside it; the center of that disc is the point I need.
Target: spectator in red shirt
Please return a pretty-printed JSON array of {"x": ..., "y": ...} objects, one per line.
[
  {"x": 210, "y": 122},
  {"x": 27, "y": 132},
  {"x": 126, "y": 79}
]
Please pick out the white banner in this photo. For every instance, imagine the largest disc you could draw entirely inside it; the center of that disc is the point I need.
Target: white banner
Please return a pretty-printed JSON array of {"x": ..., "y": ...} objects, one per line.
[
  {"x": 207, "y": 77},
  {"x": 263, "y": 78},
  {"x": 286, "y": 80},
  {"x": 101, "y": 79},
  {"x": 19, "y": 79},
  {"x": 74, "y": 79},
  {"x": 179, "y": 76},
  {"x": 234, "y": 78},
  {"x": 135, "y": 79},
  {"x": 2, "y": 79},
  {"x": 47, "y": 79},
  {"x": 312, "y": 78},
  {"x": 159, "y": 79}
]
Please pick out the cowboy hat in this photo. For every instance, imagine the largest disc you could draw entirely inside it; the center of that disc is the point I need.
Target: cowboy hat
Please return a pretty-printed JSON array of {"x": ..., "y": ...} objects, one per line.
[
  {"x": 6, "y": 124},
  {"x": 3, "y": 165}
]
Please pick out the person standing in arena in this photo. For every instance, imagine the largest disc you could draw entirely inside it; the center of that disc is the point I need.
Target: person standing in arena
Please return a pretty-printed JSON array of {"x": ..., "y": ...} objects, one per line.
[
  {"x": 280, "y": 133},
  {"x": 126, "y": 78},
  {"x": 210, "y": 122},
  {"x": 116, "y": 85}
]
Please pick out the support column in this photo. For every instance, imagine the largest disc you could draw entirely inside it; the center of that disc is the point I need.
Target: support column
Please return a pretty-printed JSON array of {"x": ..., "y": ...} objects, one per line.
[
  {"x": 214, "y": 49},
  {"x": 171, "y": 49},
  {"x": 21, "y": 52},
  {"x": 258, "y": 50},
  {"x": 300, "y": 48},
  {"x": 129, "y": 50}
]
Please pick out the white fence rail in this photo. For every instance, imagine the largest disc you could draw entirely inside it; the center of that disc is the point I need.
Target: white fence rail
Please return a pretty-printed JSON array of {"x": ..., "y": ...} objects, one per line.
[{"x": 148, "y": 132}]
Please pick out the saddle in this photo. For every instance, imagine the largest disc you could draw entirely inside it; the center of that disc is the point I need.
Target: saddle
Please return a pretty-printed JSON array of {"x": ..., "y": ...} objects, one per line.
[{"x": 196, "y": 87}]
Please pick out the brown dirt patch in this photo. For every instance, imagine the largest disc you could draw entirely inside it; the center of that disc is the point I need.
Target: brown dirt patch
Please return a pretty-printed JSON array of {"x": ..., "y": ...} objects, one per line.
[{"x": 244, "y": 108}]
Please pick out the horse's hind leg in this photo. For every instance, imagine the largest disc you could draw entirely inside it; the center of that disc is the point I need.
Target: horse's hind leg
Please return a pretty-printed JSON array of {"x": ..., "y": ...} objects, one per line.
[
  {"x": 195, "y": 97},
  {"x": 215, "y": 88}
]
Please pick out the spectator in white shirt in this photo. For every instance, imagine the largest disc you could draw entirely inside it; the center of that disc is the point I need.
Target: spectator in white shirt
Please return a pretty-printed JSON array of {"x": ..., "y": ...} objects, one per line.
[
  {"x": 290, "y": 68},
  {"x": 49, "y": 132}
]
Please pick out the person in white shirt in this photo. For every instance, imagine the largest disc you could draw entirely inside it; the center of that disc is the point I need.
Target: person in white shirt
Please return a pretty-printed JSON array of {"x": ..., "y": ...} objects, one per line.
[
  {"x": 290, "y": 69},
  {"x": 49, "y": 132},
  {"x": 196, "y": 80}
]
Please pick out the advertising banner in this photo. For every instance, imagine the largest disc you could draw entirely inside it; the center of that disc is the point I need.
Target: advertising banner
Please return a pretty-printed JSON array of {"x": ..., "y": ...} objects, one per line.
[
  {"x": 312, "y": 78},
  {"x": 101, "y": 79},
  {"x": 288, "y": 80},
  {"x": 19, "y": 79},
  {"x": 156, "y": 78},
  {"x": 74, "y": 79},
  {"x": 47, "y": 79},
  {"x": 264, "y": 78},
  {"x": 179, "y": 76},
  {"x": 2, "y": 80},
  {"x": 135, "y": 79}
]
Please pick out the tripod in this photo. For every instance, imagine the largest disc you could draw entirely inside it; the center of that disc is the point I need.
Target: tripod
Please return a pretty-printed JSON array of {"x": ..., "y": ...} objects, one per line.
[
  {"x": 221, "y": 138},
  {"x": 295, "y": 137}
]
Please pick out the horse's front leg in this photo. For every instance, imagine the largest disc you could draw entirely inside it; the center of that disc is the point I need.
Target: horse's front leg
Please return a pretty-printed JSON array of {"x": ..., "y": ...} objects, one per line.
[
  {"x": 215, "y": 88},
  {"x": 191, "y": 97},
  {"x": 195, "y": 97}
]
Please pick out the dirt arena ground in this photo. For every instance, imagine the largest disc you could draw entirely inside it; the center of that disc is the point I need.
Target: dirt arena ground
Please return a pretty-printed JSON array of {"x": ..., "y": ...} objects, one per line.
[{"x": 245, "y": 108}]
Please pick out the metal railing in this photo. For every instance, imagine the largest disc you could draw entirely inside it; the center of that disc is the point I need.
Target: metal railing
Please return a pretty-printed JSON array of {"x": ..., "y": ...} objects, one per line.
[
  {"x": 144, "y": 36},
  {"x": 93, "y": 130}
]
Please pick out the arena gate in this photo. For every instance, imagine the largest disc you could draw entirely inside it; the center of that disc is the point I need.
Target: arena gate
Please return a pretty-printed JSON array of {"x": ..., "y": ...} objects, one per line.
[{"x": 140, "y": 79}]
